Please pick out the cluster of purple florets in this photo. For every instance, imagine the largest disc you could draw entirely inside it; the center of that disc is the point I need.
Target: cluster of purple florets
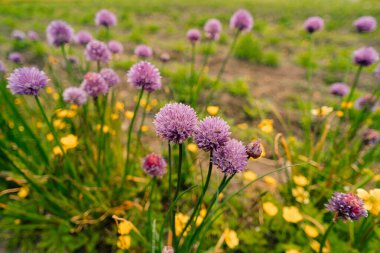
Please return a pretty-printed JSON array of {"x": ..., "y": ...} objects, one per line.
[{"x": 346, "y": 206}]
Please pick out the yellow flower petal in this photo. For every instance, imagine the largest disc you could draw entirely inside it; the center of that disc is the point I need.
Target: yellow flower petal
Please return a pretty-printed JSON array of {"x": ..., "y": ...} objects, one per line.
[
  {"x": 212, "y": 110},
  {"x": 192, "y": 147},
  {"x": 231, "y": 238},
  {"x": 310, "y": 231},
  {"x": 270, "y": 209},
  {"x": 124, "y": 227},
  {"x": 123, "y": 242},
  {"x": 23, "y": 192},
  {"x": 291, "y": 214}
]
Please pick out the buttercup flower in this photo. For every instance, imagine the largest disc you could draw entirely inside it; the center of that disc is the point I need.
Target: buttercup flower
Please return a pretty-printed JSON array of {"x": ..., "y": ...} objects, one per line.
[
  {"x": 175, "y": 122},
  {"x": 180, "y": 223},
  {"x": 313, "y": 24},
  {"x": 33, "y": 36},
  {"x": 83, "y": 37},
  {"x": 115, "y": 47},
  {"x": 300, "y": 180},
  {"x": 110, "y": 76},
  {"x": 241, "y": 20},
  {"x": 231, "y": 239},
  {"x": 124, "y": 227},
  {"x": 322, "y": 111},
  {"x": 23, "y": 192},
  {"x": 27, "y": 81},
  {"x": 365, "y": 24},
  {"x": 16, "y": 57},
  {"x": 212, "y": 110},
  {"x": 143, "y": 51},
  {"x": 213, "y": 28},
  {"x": 59, "y": 33},
  {"x": 371, "y": 200},
  {"x": 144, "y": 75},
  {"x": 69, "y": 142},
  {"x": 105, "y": 18},
  {"x": 254, "y": 149},
  {"x": 94, "y": 84},
  {"x": 266, "y": 125},
  {"x": 231, "y": 158},
  {"x": 371, "y": 137},
  {"x": 193, "y": 35},
  {"x": 365, "y": 56},
  {"x": 310, "y": 231},
  {"x": 154, "y": 165},
  {"x": 300, "y": 195},
  {"x": 270, "y": 209},
  {"x": 291, "y": 214},
  {"x": 211, "y": 133},
  {"x": 366, "y": 102},
  {"x": 18, "y": 35},
  {"x": 339, "y": 89},
  {"x": 346, "y": 206},
  {"x": 123, "y": 242},
  {"x": 74, "y": 95},
  {"x": 97, "y": 51}
]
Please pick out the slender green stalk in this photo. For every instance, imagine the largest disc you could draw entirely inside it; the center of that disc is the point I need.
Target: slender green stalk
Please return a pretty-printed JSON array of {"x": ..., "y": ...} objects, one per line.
[
  {"x": 98, "y": 67},
  {"x": 170, "y": 184},
  {"x": 142, "y": 122},
  {"x": 179, "y": 179},
  {"x": 192, "y": 65},
  {"x": 324, "y": 238},
  {"x": 354, "y": 85},
  {"x": 150, "y": 232},
  {"x": 101, "y": 136}
]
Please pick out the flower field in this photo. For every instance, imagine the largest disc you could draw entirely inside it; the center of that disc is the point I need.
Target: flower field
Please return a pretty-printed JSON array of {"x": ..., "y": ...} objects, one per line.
[{"x": 190, "y": 126}]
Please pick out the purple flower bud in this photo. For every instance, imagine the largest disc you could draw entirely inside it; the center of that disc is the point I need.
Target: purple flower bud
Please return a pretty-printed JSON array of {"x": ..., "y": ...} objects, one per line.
[
  {"x": 193, "y": 35},
  {"x": 3, "y": 67},
  {"x": 83, "y": 38},
  {"x": 211, "y": 133},
  {"x": 75, "y": 95},
  {"x": 167, "y": 249},
  {"x": 97, "y": 51},
  {"x": 241, "y": 20},
  {"x": 339, "y": 89},
  {"x": 175, "y": 122},
  {"x": 231, "y": 158},
  {"x": 254, "y": 149},
  {"x": 105, "y": 18},
  {"x": 371, "y": 137},
  {"x": 143, "y": 51},
  {"x": 110, "y": 76},
  {"x": 313, "y": 24},
  {"x": 18, "y": 35},
  {"x": 144, "y": 75},
  {"x": 213, "y": 28},
  {"x": 365, "y": 24},
  {"x": 164, "y": 57},
  {"x": 33, "y": 36},
  {"x": 346, "y": 206},
  {"x": 94, "y": 84},
  {"x": 115, "y": 47},
  {"x": 365, "y": 56},
  {"x": 16, "y": 57},
  {"x": 154, "y": 165},
  {"x": 59, "y": 33},
  {"x": 366, "y": 102},
  {"x": 27, "y": 81}
]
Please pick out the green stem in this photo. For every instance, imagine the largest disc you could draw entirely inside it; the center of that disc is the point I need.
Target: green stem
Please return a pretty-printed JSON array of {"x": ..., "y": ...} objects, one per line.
[
  {"x": 354, "y": 85},
  {"x": 180, "y": 151},
  {"x": 170, "y": 185},
  {"x": 142, "y": 122},
  {"x": 101, "y": 136},
  {"x": 324, "y": 238},
  {"x": 150, "y": 232}
]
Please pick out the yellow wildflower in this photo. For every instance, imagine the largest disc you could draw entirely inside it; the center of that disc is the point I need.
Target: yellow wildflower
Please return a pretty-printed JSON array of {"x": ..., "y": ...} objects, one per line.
[
  {"x": 39, "y": 125},
  {"x": 17, "y": 221},
  {"x": 339, "y": 114},
  {"x": 21, "y": 128},
  {"x": 11, "y": 124},
  {"x": 270, "y": 209},
  {"x": 114, "y": 116},
  {"x": 310, "y": 231},
  {"x": 212, "y": 110},
  {"x": 50, "y": 137},
  {"x": 242, "y": 126},
  {"x": 144, "y": 128},
  {"x": 124, "y": 227},
  {"x": 180, "y": 223},
  {"x": 73, "y": 106},
  {"x": 321, "y": 112},
  {"x": 119, "y": 106},
  {"x": 59, "y": 124},
  {"x": 18, "y": 101},
  {"x": 346, "y": 105},
  {"x": 154, "y": 102},
  {"x": 291, "y": 214},
  {"x": 292, "y": 251},
  {"x": 371, "y": 200},
  {"x": 49, "y": 90},
  {"x": 55, "y": 96},
  {"x": 23, "y": 192},
  {"x": 220, "y": 196},
  {"x": 123, "y": 242},
  {"x": 128, "y": 114},
  {"x": 61, "y": 113},
  {"x": 249, "y": 175},
  {"x": 69, "y": 141},
  {"x": 143, "y": 102},
  {"x": 376, "y": 177},
  {"x": 316, "y": 245},
  {"x": 300, "y": 180},
  {"x": 301, "y": 195},
  {"x": 71, "y": 114},
  {"x": 57, "y": 151},
  {"x": 231, "y": 238},
  {"x": 270, "y": 181},
  {"x": 266, "y": 126},
  {"x": 201, "y": 216},
  {"x": 193, "y": 148}
]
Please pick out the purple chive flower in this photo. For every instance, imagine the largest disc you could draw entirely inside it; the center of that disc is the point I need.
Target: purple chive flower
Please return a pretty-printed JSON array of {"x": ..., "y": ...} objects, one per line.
[
  {"x": 144, "y": 75},
  {"x": 110, "y": 77},
  {"x": 377, "y": 71},
  {"x": 211, "y": 133},
  {"x": 339, "y": 89},
  {"x": 371, "y": 137},
  {"x": 143, "y": 51},
  {"x": 59, "y": 33},
  {"x": 175, "y": 122},
  {"x": 254, "y": 149},
  {"x": 365, "y": 56},
  {"x": 94, "y": 84},
  {"x": 241, "y": 20},
  {"x": 231, "y": 158},
  {"x": 115, "y": 47},
  {"x": 366, "y": 102},
  {"x": 105, "y": 18},
  {"x": 313, "y": 24},
  {"x": 27, "y": 81},
  {"x": 3, "y": 67},
  {"x": 193, "y": 35},
  {"x": 83, "y": 37},
  {"x": 16, "y": 57},
  {"x": 365, "y": 24},
  {"x": 213, "y": 28},
  {"x": 18, "y": 35},
  {"x": 164, "y": 57},
  {"x": 346, "y": 206},
  {"x": 97, "y": 51},
  {"x": 75, "y": 95},
  {"x": 154, "y": 165},
  {"x": 33, "y": 36}
]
